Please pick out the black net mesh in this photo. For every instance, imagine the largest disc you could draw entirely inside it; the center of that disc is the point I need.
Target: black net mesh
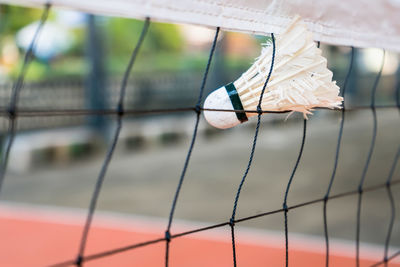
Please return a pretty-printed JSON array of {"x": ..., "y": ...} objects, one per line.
[{"x": 14, "y": 113}]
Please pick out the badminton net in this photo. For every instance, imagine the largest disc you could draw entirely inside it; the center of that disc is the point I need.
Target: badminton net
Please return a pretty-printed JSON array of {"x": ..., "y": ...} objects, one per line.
[{"x": 12, "y": 112}]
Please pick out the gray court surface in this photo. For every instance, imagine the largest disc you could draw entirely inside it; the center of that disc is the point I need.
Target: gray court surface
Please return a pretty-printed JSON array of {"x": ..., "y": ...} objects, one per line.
[{"x": 143, "y": 181}]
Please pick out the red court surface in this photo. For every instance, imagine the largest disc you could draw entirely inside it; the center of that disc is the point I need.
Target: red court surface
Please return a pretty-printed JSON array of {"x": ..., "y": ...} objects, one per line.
[{"x": 38, "y": 236}]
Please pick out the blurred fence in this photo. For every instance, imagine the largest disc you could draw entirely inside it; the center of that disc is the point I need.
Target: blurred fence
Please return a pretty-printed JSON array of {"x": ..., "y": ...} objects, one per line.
[
  {"x": 150, "y": 91},
  {"x": 144, "y": 92}
]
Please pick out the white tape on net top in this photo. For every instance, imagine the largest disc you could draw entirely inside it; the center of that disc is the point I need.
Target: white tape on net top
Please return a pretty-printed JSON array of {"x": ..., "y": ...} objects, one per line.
[{"x": 361, "y": 23}]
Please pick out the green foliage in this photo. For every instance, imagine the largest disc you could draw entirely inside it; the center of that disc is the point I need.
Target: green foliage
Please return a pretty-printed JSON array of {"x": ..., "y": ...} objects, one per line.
[
  {"x": 162, "y": 51},
  {"x": 71, "y": 67},
  {"x": 37, "y": 71},
  {"x": 78, "y": 46},
  {"x": 162, "y": 61},
  {"x": 122, "y": 35},
  {"x": 165, "y": 37},
  {"x": 13, "y": 18},
  {"x": 162, "y": 46}
]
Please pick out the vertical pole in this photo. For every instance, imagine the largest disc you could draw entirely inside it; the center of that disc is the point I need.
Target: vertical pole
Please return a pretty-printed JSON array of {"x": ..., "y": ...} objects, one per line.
[
  {"x": 353, "y": 90},
  {"x": 96, "y": 80},
  {"x": 218, "y": 75}
]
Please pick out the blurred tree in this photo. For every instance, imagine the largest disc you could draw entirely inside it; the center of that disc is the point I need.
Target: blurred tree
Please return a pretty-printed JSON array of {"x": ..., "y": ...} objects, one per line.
[
  {"x": 123, "y": 33},
  {"x": 14, "y": 18},
  {"x": 164, "y": 48}
]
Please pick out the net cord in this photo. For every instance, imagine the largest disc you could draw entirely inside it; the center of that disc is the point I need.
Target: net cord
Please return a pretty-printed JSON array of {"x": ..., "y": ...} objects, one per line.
[
  {"x": 284, "y": 205},
  {"x": 368, "y": 161},
  {"x": 16, "y": 90},
  {"x": 388, "y": 184},
  {"x": 253, "y": 148},
  {"x": 189, "y": 153},
  {"x": 33, "y": 112},
  {"x": 113, "y": 144},
  {"x": 336, "y": 161},
  {"x": 392, "y": 207}
]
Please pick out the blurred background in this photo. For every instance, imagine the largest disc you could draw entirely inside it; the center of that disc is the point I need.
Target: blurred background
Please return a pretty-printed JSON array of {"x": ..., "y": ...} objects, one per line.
[{"x": 79, "y": 63}]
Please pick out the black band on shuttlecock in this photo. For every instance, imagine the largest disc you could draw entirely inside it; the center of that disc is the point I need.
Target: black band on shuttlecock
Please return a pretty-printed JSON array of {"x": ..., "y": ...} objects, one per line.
[{"x": 236, "y": 102}]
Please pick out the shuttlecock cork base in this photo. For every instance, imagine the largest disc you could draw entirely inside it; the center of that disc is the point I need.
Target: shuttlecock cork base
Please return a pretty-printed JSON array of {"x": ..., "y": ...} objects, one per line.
[
  {"x": 300, "y": 81},
  {"x": 226, "y": 98}
]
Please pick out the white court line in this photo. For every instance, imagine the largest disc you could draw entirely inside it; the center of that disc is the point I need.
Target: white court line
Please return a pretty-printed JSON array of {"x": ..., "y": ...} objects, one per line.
[{"x": 151, "y": 225}]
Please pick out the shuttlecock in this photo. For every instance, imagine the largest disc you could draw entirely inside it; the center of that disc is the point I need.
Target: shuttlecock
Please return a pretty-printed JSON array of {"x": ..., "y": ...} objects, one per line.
[{"x": 300, "y": 81}]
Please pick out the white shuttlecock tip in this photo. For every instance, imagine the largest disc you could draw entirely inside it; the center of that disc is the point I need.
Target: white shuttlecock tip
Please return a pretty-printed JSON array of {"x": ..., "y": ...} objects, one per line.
[{"x": 219, "y": 99}]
